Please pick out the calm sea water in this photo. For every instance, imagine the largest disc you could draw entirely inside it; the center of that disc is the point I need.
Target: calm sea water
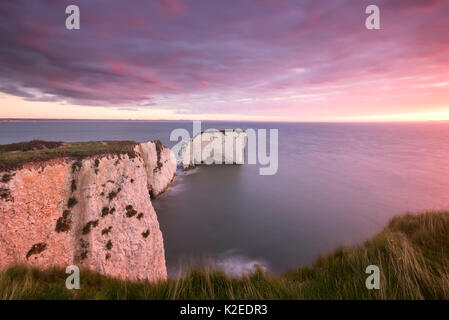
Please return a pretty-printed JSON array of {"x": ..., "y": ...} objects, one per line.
[{"x": 337, "y": 184}]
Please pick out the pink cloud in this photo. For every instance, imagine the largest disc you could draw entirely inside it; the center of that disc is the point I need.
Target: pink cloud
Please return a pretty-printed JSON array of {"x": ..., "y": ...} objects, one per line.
[
  {"x": 204, "y": 84},
  {"x": 176, "y": 6}
]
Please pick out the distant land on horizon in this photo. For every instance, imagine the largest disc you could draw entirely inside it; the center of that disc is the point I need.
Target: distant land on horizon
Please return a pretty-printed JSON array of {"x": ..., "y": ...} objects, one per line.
[{"x": 183, "y": 120}]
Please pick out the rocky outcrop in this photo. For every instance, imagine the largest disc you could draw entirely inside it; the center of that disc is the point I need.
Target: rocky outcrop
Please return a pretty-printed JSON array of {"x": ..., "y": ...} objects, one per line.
[
  {"x": 95, "y": 213},
  {"x": 160, "y": 166},
  {"x": 214, "y": 147}
]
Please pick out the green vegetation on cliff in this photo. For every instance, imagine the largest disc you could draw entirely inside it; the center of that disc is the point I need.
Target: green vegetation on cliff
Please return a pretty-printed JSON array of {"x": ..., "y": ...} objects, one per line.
[
  {"x": 13, "y": 156},
  {"x": 412, "y": 253}
]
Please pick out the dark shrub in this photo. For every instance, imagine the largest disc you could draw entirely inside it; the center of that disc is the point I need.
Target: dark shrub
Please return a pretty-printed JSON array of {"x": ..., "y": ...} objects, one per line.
[
  {"x": 84, "y": 254},
  {"x": 104, "y": 211},
  {"x": 62, "y": 225},
  {"x": 6, "y": 178},
  {"x": 5, "y": 194},
  {"x": 73, "y": 185},
  {"x": 146, "y": 233},
  {"x": 112, "y": 195},
  {"x": 130, "y": 212},
  {"x": 89, "y": 225},
  {"x": 72, "y": 202},
  {"x": 77, "y": 165},
  {"x": 36, "y": 249},
  {"x": 106, "y": 230}
]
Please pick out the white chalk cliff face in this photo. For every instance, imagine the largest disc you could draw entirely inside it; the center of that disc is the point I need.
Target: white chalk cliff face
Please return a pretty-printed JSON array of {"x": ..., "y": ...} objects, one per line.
[
  {"x": 94, "y": 213},
  {"x": 214, "y": 147},
  {"x": 160, "y": 165}
]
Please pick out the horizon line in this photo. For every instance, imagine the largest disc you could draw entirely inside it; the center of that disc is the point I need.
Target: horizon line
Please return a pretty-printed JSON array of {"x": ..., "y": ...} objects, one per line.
[{"x": 224, "y": 120}]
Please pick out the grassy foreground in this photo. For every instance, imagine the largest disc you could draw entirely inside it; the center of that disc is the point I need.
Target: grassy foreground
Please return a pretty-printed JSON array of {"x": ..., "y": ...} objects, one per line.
[
  {"x": 13, "y": 156},
  {"x": 412, "y": 253}
]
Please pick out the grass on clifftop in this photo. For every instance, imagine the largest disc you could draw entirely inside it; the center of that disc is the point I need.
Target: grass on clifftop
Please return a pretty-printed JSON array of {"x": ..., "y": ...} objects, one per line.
[
  {"x": 13, "y": 156},
  {"x": 412, "y": 253}
]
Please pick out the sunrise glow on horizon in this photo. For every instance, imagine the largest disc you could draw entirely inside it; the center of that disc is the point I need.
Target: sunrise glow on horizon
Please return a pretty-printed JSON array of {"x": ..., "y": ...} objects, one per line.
[{"x": 269, "y": 60}]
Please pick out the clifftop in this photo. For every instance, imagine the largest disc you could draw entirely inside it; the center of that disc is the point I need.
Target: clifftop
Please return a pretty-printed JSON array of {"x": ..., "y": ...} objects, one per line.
[{"x": 13, "y": 156}]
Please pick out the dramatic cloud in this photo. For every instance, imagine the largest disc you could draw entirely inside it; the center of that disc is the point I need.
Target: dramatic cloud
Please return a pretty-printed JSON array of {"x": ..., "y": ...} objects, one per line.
[{"x": 252, "y": 57}]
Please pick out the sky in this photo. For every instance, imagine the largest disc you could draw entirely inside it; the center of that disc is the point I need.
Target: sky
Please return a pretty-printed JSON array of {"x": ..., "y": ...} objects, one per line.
[{"x": 261, "y": 60}]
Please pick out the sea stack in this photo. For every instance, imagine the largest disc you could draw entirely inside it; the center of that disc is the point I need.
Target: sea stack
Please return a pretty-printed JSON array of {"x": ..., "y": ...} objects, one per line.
[{"x": 214, "y": 147}]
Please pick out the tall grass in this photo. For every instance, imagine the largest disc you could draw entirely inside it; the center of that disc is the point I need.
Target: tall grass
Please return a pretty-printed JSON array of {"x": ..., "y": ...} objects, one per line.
[{"x": 412, "y": 253}]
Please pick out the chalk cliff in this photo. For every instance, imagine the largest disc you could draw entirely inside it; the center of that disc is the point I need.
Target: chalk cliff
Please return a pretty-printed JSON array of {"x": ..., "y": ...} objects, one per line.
[
  {"x": 160, "y": 166},
  {"x": 214, "y": 147},
  {"x": 95, "y": 213}
]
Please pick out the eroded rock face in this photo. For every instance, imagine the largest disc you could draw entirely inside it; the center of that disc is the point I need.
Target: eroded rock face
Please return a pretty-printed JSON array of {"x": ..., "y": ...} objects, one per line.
[
  {"x": 94, "y": 213},
  {"x": 160, "y": 166}
]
